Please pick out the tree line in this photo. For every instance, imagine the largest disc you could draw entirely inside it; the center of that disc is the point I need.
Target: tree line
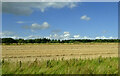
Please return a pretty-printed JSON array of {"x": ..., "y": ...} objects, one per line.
[{"x": 45, "y": 40}]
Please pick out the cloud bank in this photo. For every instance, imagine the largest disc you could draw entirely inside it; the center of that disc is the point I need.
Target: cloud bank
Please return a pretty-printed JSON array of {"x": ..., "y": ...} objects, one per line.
[
  {"x": 63, "y": 36},
  {"x": 27, "y": 8}
]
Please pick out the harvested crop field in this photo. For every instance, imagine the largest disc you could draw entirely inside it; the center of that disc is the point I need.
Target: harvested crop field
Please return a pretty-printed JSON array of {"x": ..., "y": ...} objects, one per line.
[{"x": 29, "y": 52}]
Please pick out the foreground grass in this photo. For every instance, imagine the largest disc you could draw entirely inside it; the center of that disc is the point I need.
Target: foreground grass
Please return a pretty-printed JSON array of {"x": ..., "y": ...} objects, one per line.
[{"x": 72, "y": 66}]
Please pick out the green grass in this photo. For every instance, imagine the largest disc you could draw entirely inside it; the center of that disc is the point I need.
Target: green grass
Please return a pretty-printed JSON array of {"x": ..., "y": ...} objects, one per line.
[{"x": 72, "y": 66}]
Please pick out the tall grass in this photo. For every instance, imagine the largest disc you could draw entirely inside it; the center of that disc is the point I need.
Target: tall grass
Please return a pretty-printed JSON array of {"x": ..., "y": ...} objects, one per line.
[{"x": 72, "y": 66}]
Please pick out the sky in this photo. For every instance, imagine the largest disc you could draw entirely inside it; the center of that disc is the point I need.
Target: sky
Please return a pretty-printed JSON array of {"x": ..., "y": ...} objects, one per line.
[{"x": 60, "y": 20}]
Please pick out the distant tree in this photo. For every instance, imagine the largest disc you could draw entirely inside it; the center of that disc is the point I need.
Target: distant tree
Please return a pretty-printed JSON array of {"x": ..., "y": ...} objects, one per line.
[
  {"x": 0, "y": 40},
  {"x": 45, "y": 40},
  {"x": 37, "y": 40},
  {"x": 8, "y": 40},
  {"x": 21, "y": 41},
  {"x": 30, "y": 41}
]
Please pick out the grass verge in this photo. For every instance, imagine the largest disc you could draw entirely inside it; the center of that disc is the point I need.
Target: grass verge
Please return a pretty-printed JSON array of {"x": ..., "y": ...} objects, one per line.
[{"x": 72, "y": 66}]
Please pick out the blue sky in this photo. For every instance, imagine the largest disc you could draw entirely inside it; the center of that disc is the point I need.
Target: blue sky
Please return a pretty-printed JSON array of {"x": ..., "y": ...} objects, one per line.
[{"x": 60, "y": 20}]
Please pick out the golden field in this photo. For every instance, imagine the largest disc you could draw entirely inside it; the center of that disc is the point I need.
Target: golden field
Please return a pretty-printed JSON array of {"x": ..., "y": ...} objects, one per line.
[{"x": 29, "y": 52}]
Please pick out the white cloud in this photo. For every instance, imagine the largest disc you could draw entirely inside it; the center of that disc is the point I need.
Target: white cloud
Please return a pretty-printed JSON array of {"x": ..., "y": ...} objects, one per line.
[
  {"x": 66, "y": 34},
  {"x": 85, "y": 17},
  {"x": 110, "y": 37},
  {"x": 55, "y": 36},
  {"x": 103, "y": 37},
  {"x": 36, "y": 26},
  {"x": 19, "y": 22},
  {"x": 26, "y": 8},
  {"x": 76, "y": 36}
]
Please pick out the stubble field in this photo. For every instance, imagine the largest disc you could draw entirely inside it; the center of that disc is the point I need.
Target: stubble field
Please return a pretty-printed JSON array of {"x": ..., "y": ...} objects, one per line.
[{"x": 57, "y": 51}]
